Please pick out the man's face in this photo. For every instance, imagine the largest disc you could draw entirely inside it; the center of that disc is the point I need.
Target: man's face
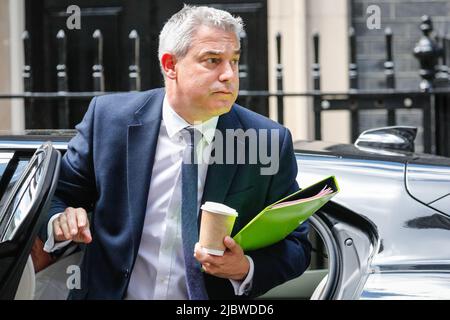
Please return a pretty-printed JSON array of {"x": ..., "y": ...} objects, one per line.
[{"x": 208, "y": 76}]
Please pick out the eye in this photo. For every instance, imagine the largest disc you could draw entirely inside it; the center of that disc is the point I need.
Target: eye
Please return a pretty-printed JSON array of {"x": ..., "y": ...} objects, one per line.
[{"x": 213, "y": 60}]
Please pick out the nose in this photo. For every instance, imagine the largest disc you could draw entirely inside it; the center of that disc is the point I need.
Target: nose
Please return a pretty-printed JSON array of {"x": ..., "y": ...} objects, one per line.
[{"x": 227, "y": 72}]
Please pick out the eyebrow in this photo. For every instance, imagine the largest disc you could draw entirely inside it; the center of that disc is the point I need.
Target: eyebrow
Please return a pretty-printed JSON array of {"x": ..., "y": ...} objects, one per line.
[{"x": 218, "y": 52}]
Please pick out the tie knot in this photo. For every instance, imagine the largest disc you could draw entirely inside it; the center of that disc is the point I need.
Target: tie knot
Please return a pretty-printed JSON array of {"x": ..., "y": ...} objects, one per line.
[{"x": 191, "y": 136}]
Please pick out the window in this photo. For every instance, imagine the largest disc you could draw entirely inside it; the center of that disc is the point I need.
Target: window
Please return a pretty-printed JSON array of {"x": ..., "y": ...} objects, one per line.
[{"x": 11, "y": 168}]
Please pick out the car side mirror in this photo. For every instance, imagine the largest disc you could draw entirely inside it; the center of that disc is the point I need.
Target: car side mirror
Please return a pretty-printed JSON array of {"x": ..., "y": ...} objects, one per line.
[{"x": 393, "y": 138}]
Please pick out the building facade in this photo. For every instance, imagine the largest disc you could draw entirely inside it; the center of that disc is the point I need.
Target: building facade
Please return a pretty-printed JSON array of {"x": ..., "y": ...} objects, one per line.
[{"x": 296, "y": 20}]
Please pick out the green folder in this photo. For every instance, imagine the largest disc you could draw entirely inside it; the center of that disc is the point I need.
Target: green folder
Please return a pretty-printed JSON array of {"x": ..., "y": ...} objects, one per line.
[{"x": 274, "y": 224}]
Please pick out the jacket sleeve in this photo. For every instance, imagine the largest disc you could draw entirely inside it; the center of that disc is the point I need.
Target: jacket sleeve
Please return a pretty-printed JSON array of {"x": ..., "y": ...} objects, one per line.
[
  {"x": 76, "y": 184},
  {"x": 289, "y": 258}
]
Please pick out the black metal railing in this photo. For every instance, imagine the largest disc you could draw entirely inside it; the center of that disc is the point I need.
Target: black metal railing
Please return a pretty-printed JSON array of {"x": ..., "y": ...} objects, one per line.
[{"x": 431, "y": 98}]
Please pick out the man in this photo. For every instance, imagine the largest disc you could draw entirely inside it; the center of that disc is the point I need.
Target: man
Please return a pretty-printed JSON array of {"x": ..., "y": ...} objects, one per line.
[{"x": 127, "y": 165}]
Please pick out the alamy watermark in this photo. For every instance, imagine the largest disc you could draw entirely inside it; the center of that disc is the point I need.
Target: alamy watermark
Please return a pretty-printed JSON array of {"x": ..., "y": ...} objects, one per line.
[
  {"x": 374, "y": 19},
  {"x": 255, "y": 147},
  {"x": 74, "y": 20},
  {"x": 74, "y": 279}
]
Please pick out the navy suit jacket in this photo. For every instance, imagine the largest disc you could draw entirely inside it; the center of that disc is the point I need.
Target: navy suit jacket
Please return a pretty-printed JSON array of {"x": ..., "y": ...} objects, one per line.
[{"x": 107, "y": 170}]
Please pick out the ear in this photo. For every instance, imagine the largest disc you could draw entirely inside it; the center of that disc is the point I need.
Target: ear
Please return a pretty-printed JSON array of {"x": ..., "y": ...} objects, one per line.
[{"x": 168, "y": 62}]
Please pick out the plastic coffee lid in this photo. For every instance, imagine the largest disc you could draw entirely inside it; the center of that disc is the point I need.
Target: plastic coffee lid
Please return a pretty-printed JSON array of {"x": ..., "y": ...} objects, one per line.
[{"x": 219, "y": 208}]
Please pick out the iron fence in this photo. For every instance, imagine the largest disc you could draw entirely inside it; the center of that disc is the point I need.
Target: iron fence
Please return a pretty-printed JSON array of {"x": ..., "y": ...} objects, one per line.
[{"x": 431, "y": 98}]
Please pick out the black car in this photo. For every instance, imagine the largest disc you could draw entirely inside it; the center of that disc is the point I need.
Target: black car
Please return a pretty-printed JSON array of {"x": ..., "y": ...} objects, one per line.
[{"x": 386, "y": 235}]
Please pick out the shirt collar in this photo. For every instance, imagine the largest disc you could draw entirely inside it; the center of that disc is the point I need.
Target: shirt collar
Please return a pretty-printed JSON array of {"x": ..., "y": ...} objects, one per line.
[{"x": 175, "y": 123}]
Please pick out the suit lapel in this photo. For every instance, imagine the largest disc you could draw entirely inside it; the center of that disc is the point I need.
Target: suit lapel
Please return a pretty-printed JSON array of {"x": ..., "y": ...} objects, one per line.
[
  {"x": 141, "y": 148},
  {"x": 220, "y": 175}
]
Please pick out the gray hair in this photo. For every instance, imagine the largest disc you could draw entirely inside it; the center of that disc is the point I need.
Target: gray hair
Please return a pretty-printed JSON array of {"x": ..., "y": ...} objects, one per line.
[{"x": 176, "y": 35}]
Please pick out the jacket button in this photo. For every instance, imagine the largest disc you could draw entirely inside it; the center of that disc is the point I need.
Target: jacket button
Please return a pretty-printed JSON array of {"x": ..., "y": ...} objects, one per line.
[{"x": 126, "y": 273}]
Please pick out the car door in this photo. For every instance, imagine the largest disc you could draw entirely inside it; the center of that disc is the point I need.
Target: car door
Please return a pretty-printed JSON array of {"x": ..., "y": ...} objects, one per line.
[
  {"x": 343, "y": 241},
  {"x": 27, "y": 186}
]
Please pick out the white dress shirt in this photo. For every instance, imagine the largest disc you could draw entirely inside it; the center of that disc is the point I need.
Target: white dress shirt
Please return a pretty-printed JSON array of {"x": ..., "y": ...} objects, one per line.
[{"x": 159, "y": 271}]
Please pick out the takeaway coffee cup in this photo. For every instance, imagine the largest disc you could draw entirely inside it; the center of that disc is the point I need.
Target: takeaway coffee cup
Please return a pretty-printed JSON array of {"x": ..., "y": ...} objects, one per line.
[{"x": 217, "y": 223}]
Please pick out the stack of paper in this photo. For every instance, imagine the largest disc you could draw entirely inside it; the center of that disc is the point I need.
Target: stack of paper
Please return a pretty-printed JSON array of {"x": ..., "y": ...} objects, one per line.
[{"x": 325, "y": 191}]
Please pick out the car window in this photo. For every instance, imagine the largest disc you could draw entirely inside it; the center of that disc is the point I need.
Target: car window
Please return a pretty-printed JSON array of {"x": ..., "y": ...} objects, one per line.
[
  {"x": 3, "y": 164},
  {"x": 10, "y": 172},
  {"x": 5, "y": 157},
  {"x": 23, "y": 198}
]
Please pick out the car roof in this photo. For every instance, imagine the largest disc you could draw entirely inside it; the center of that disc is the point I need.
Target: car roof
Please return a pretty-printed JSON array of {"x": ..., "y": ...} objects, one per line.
[
  {"x": 27, "y": 139},
  {"x": 351, "y": 151},
  {"x": 32, "y": 139}
]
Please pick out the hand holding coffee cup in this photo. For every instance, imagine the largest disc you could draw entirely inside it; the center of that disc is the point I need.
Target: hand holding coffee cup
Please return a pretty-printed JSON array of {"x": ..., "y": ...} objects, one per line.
[{"x": 217, "y": 223}]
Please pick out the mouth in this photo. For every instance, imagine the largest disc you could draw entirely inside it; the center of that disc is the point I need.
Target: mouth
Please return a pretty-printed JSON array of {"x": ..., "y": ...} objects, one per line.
[{"x": 223, "y": 92}]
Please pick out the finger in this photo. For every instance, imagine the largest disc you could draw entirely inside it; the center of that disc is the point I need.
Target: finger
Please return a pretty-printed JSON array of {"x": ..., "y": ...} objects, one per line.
[
  {"x": 208, "y": 268},
  {"x": 57, "y": 231},
  {"x": 230, "y": 243},
  {"x": 83, "y": 225},
  {"x": 64, "y": 226},
  {"x": 199, "y": 252},
  {"x": 81, "y": 218},
  {"x": 72, "y": 221},
  {"x": 86, "y": 233},
  {"x": 205, "y": 258},
  {"x": 201, "y": 255}
]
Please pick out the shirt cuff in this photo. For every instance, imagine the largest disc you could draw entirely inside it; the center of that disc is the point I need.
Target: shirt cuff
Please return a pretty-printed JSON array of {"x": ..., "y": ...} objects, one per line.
[
  {"x": 50, "y": 244},
  {"x": 244, "y": 286}
]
